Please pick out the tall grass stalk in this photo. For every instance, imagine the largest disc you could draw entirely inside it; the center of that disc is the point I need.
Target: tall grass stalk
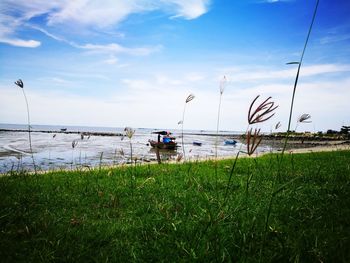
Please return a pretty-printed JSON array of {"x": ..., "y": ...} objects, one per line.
[
  {"x": 20, "y": 84},
  {"x": 299, "y": 63},
  {"x": 129, "y": 132},
  {"x": 303, "y": 119},
  {"x": 74, "y": 144},
  {"x": 188, "y": 99},
  {"x": 261, "y": 113},
  {"x": 222, "y": 88},
  {"x": 275, "y": 192}
]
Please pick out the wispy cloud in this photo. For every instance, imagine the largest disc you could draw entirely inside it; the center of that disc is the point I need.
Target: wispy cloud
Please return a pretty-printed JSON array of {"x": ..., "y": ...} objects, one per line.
[
  {"x": 8, "y": 26},
  {"x": 87, "y": 14},
  {"x": 190, "y": 9},
  {"x": 332, "y": 39},
  {"x": 319, "y": 98},
  {"x": 110, "y": 49},
  {"x": 273, "y": 74},
  {"x": 275, "y": 1},
  {"x": 111, "y": 60},
  {"x": 116, "y": 48},
  {"x": 20, "y": 42},
  {"x": 336, "y": 34}
]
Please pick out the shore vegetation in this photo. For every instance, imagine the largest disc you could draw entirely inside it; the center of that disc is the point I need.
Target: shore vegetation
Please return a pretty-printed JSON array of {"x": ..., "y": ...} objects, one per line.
[{"x": 182, "y": 212}]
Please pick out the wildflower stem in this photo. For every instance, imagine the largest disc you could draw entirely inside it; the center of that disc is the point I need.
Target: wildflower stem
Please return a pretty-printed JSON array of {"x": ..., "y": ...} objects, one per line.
[
  {"x": 217, "y": 128},
  {"x": 130, "y": 151},
  {"x": 216, "y": 145},
  {"x": 29, "y": 130},
  {"x": 182, "y": 133},
  {"x": 297, "y": 77}
]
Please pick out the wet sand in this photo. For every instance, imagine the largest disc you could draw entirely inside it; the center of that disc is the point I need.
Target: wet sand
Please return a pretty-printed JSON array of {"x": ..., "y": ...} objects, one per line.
[
  {"x": 322, "y": 148},
  {"x": 268, "y": 145},
  {"x": 294, "y": 147}
]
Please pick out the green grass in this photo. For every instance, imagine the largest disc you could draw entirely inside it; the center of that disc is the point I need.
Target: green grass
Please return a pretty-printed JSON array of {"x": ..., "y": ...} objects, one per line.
[{"x": 177, "y": 213}]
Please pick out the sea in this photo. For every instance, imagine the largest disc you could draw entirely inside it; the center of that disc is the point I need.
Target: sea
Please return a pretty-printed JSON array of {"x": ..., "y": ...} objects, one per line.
[{"x": 64, "y": 147}]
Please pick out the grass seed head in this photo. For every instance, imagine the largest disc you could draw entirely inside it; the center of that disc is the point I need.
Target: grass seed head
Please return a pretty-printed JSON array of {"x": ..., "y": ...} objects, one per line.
[
  {"x": 253, "y": 140},
  {"x": 263, "y": 112},
  {"x": 179, "y": 157},
  {"x": 19, "y": 83},
  {"x": 278, "y": 125},
  {"x": 129, "y": 132},
  {"x": 189, "y": 98},
  {"x": 74, "y": 143},
  {"x": 223, "y": 83},
  {"x": 304, "y": 118},
  {"x": 121, "y": 152}
]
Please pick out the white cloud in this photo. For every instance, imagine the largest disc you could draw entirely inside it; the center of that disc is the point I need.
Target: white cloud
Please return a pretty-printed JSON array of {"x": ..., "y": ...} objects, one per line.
[
  {"x": 238, "y": 75},
  {"x": 110, "y": 49},
  {"x": 334, "y": 38},
  {"x": 20, "y": 42},
  {"x": 157, "y": 101},
  {"x": 8, "y": 25},
  {"x": 94, "y": 13},
  {"x": 115, "y": 48},
  {"x": 57, "y": 81},
  {"x": 194, "y": 76},
  {"x": 164, "y": 80},
  {"x": 190, "y": 9},
  {"x": 275, "y": 1},
  {"x": 111, "y": 12},
  {"x": 89, "y": 14},
  {"x": 111, "y": 60}
]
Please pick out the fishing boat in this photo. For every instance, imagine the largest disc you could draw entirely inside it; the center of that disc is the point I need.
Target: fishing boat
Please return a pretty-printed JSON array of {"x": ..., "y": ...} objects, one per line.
[
  {"x": 197, "y": 143},
  {"x": 230, "y": 142},
  {"x": 164, "y": 141}
]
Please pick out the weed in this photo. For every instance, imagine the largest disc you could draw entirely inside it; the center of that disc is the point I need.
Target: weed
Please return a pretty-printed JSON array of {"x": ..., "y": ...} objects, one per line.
[
  {"x": 188, "y": 99},
  {"x": 20, "y": 84}
]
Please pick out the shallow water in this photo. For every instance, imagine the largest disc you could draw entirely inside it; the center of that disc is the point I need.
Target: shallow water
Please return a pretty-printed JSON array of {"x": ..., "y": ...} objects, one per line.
[{"x": 54, "y": 150}]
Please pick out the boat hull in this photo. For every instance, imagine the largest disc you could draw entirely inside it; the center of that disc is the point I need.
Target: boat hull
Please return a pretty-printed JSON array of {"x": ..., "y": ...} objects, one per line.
[
  {"x": 161, "y": 145},
  {"x": 230, "y": 142}
]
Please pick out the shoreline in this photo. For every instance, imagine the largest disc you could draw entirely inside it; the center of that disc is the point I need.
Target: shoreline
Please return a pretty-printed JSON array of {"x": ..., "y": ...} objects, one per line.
[
  {"x": 314, "y": 149},
  {"x": 238, "y": 136},
  {"x": 322, "y": 148},
  {"x": 318, "y": 148},
  {"x": 67, "y": 132}
]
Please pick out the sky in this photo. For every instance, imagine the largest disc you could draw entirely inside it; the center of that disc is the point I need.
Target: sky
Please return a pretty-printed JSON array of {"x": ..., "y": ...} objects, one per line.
[{"x": 118, "y": 63}]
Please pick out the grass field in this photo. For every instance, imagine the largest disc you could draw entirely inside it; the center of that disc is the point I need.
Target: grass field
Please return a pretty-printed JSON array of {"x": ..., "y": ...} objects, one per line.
[{"x": 274, "y": 210}]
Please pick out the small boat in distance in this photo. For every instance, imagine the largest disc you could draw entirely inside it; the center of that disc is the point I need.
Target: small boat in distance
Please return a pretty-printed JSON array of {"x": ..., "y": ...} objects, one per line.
[
  {"x": 230, "y": 142},
  {"x": 164, "y": 141},
  {"x": 63, "y": 129},
  {"x": 197, "y": 143}
]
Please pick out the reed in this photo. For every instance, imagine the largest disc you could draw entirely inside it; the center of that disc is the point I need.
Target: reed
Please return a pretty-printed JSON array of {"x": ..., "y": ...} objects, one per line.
[
  {"x": 304, "y": 118},
  {"x": 299, "y": 63},
  {"x": 20, "y": 84},
  {"x": 74, "y": 145},
  {"x": 188, "y": 99},
  {"x": 256, "y": 114},
  {"x": 221, "y": 90},
  {"x": 223, "y": 83},
  {"x": 129, "y": 132},
  {"x": 276, "y": 191}
]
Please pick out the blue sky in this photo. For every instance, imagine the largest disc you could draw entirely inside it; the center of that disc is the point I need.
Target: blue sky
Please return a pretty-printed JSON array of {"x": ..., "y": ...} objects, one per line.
[{"x": 133, "y": 62}]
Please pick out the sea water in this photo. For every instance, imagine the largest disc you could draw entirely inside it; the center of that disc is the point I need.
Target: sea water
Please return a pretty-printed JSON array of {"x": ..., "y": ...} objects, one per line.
[{"x": 53, "y": 149}]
